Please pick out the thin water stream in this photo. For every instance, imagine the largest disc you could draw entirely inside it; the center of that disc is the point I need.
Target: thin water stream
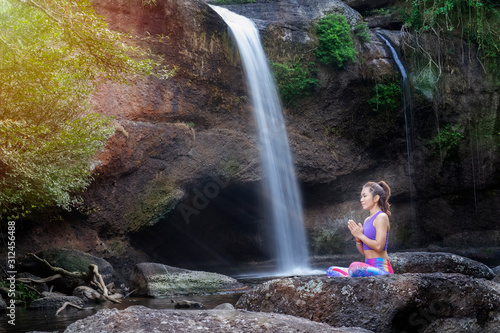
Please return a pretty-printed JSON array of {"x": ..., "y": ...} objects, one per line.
[{"x": 407, "y": 110}]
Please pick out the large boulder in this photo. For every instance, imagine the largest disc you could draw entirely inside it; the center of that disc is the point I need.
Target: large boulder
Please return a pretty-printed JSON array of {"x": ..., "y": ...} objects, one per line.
[
  {"x": 428, "y": 262},
  {"x": 139, "y": 319},
  {"x": 391, "y": 303},
  {"x": 54, "y": 302},
  {"x": 464, "y": 325},
  {"x": 158, "y": 280},
  {"x": 496, "y": 270}
]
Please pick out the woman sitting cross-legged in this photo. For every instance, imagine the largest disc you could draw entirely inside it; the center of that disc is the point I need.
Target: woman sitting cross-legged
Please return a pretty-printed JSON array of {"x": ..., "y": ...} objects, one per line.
[{"x": 371, "y": 237}]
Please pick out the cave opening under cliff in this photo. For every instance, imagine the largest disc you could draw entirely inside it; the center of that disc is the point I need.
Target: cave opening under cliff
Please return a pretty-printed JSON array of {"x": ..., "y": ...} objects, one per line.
[{"x": 218, "y": 228}]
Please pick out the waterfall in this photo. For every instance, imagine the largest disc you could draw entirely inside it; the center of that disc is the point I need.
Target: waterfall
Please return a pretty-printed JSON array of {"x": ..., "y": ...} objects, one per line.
[
  {"x": 279, "y": 177},
  {"x": 407, "y": 108}
]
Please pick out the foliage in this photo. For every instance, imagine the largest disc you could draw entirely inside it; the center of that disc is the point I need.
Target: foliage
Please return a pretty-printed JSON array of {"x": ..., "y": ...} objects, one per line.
[
  {"x": 231, "y": 2},
  {"x": 361, "y": 30},
  {"x": 294, "y": 81},
  {"x": 478, "y": 21},
  {"x": 335, "y": 42},
  {"x": 447, "y": 139},
  {"x": 52, "y": 53},
  {"x": 23, "y": 292},
  {"x": 387, "y": 97}
]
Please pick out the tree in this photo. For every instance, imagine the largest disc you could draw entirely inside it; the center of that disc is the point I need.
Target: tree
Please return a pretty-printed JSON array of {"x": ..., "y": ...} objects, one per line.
[{"x": 52, "y": 53}]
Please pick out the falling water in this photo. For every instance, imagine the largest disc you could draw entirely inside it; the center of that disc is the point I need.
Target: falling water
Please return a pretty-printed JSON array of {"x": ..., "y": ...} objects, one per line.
[
  {"x": 406, "y": 109},
  {"x": 279, "y": 176}
]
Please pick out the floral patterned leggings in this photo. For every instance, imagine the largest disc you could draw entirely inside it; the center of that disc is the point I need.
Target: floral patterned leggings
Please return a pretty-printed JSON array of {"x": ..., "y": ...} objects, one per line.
[{"x": 373, "y": 266}]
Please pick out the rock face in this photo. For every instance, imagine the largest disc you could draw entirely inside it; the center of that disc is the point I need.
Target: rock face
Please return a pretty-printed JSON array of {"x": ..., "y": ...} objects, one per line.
[
  {"x": 138, "y": 319},
  {"x": 157, "y": 280},
  {"x": 463, "y": 325},
  {"x": 296, "y": 16},
  {"x": 391, "y": 303},
  {"x": 364, "y": 5},
  {"x": 425, "y": 262},
  {"x": 3, "y": 305}
]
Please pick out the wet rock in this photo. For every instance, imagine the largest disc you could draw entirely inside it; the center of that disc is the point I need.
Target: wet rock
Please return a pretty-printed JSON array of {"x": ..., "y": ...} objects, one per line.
[
  {"x": 391, "y": 303},
  {"x": 141, "y": 319},
  {"x": 496, "y": 270},
  {"x": 390, "y": 21},
  {"x": 54, "y": 302},
  {"x": 158, "y": 280},
  {"x": 188, "y": 305},
  {"x": 364, "y": 5},
  {"x": 427, "y": 262},
  {"x": 294, "y": 16},
  {"x": 469, "y": 325},
  {"x": 3, "y": 305},
  {"x": 224, "y": 306}
]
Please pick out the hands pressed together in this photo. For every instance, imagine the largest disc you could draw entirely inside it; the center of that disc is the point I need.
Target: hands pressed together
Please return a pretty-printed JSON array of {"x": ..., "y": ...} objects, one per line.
[{"x": 356, "y": 229}]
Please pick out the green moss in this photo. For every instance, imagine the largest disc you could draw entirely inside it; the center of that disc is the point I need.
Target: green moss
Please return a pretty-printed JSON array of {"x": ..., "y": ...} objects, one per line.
[
  {"x": 335, "y": 42},
  {"x": 159, "y": 200},
  {"x": 361, "y": 30},
  {"x": 294, "y": 81},
  {"x": 478, "y": 22},
  {"x": 447, "y": 139},
  {"x": 387, "y": 97},
  {"x": 230, "y": 167}
]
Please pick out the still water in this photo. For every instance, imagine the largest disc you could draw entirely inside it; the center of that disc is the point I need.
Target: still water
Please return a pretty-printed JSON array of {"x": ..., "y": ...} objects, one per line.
[{"x": 38, "y": 320}]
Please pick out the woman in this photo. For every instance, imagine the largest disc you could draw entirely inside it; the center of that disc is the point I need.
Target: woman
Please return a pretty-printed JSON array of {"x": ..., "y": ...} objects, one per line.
[{"x": 371, "y": 238}]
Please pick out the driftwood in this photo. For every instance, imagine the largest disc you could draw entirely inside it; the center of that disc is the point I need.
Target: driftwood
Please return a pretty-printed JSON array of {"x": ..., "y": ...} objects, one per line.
[
  {"x": 61, "y": 271},
  {"x": 47, "y": 279},
  {"x": 130, "y": 293},
  {"x": 92, "y": 277},
  {"x": 65, "y": 305}
]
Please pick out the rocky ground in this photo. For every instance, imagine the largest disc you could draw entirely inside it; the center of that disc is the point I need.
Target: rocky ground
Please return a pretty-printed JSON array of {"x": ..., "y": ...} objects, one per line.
[{"x": 430, "y": 292}]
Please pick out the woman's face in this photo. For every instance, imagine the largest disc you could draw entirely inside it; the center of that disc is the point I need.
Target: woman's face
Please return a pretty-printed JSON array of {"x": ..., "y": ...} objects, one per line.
[{"x": 366, "y": 198}]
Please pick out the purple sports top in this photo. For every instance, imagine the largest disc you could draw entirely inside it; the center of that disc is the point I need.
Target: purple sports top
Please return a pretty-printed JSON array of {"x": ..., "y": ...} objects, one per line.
[{"x": 370, "y": 232}]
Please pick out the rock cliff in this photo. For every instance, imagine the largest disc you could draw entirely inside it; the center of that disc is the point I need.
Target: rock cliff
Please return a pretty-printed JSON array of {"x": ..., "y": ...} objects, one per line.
[{"x": 179, "y": 181}]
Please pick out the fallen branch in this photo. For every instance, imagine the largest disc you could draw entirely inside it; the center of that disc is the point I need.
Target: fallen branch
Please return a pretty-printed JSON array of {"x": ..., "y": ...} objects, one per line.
[
  {"x": 47, "y": 279},
  {"x": 92, "y": 277},
  {"x": 94, "y": 271},
  {"x": 130, "y": 293},
  {"x": 65, "y": 305},
  {"x": 62, "y": 271}
]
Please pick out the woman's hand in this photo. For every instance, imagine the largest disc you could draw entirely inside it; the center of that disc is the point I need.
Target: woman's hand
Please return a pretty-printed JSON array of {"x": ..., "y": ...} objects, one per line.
[{"x": 356, "y": 229}]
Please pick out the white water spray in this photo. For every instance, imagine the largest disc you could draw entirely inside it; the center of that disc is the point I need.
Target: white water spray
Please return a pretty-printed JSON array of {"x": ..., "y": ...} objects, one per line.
[{"x": 279, "y": 176}]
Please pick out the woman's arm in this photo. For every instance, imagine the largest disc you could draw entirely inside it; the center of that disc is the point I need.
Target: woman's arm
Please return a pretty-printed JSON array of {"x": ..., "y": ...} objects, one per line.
[{"x": 359, "y": 246}]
